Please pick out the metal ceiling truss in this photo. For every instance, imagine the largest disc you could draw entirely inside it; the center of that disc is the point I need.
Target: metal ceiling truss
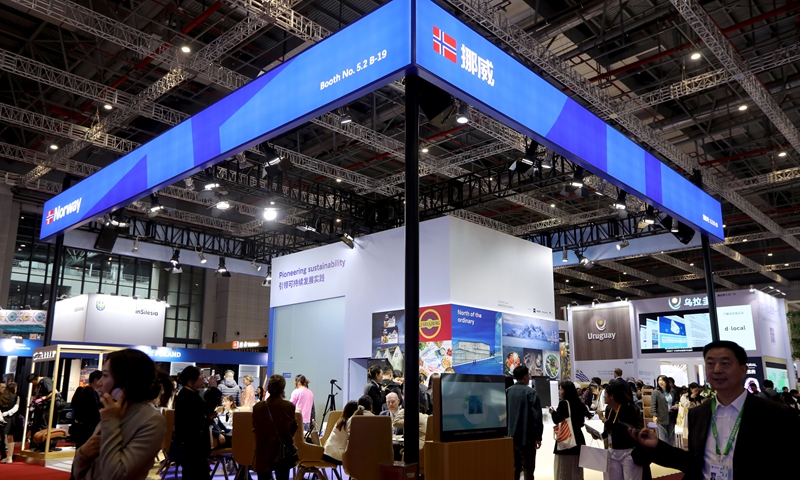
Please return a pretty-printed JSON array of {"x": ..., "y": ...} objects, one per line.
[
  {"x": 569, "y": 272},
  {"x": 697, "y": 273},
  {"x": 595, "y": 233},
  {"x": 715, "y": 40},
  {"x": 490, "y": 18},
  {"x": 734, "y": 255},
  {"x": 563, "y": 288},
  {"x": 281, "y": 14},
  {"x": 648, "y": 278}
]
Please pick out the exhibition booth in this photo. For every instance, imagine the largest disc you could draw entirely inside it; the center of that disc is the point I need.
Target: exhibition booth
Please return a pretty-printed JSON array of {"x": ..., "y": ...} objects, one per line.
[{"x": 651, "y": 337}]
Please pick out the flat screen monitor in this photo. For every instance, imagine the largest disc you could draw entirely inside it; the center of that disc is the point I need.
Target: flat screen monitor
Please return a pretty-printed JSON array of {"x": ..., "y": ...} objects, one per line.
[
  {"x": 665, "y": 332},
  {"x": 777, "y": 373},
  {"x": 473, "y": 407}
]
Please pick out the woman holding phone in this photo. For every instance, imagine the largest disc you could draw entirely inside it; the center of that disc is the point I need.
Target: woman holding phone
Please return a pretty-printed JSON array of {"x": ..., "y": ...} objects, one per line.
[
  {"x": 130, "y": 432},
  {"x": 570, "y": 407},
  {"x": 621, "y": 416}
]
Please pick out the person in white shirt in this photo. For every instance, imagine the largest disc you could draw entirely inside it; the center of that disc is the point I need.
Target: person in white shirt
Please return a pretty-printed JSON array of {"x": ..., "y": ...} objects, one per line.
[
  {"x": 735, "y": 434},
  {"x": 340, "y": 434}
]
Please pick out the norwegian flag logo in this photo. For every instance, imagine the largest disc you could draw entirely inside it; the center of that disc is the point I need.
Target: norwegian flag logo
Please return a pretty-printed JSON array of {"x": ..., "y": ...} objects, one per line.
[
  {"x": 444, "y": 45},
  {"x": 50, "y": 217}
]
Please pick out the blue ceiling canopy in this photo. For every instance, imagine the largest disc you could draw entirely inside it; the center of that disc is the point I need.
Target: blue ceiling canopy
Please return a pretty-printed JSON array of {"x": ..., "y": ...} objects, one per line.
[{"x": 402, "y": 37}]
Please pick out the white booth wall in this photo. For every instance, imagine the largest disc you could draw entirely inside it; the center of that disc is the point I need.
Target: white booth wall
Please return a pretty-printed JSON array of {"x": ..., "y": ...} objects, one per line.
[
  {"x": 460, "y": 262},
  {"x": 765, "y": 335}
]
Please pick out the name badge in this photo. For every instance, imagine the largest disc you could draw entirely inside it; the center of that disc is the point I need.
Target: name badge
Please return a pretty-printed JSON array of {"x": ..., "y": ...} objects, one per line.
[{"x": 720, "y": 472}]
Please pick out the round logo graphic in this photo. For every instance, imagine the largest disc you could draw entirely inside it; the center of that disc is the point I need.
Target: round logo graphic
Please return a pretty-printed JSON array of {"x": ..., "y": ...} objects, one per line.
[
  {"x": 600, "y": 323},
  {"x": 27, "y": 317},
  {"x": 100, "y": 305},
  {"x": 674, "y": 303},
  {"x": 9, "y": 345},
  {"x": 430, "y": 323}
]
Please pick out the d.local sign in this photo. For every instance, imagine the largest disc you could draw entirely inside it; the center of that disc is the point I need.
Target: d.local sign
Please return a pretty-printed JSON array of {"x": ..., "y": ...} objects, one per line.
[{"x": 402, "y": 37}]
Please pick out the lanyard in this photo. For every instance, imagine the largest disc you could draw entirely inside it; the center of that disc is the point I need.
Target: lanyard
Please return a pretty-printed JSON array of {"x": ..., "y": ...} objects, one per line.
[{"x": 734, "y": 431}]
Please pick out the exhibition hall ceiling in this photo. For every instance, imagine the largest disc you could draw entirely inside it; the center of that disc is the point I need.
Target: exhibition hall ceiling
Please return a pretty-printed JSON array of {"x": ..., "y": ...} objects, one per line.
[{"x": 705, "y": 85}]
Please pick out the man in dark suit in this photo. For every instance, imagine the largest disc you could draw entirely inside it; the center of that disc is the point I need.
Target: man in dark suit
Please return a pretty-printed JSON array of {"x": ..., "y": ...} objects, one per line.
[{"x": 735, "y": 434}]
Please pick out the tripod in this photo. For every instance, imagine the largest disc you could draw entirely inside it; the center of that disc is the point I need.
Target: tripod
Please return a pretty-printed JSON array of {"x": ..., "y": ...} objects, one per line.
[{"x": 330, "y": 403}]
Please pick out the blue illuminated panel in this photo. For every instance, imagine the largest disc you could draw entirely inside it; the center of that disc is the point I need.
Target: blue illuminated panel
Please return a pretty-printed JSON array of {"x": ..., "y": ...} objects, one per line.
[
  {"x": 362, "y": 56},
  {"x": 465, "y": 63}
]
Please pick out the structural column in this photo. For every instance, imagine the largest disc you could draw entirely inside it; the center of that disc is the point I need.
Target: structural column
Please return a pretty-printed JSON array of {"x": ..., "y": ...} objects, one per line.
[
  {"x": 706, "y": 249},
  {"x": 411, "y": 401}
]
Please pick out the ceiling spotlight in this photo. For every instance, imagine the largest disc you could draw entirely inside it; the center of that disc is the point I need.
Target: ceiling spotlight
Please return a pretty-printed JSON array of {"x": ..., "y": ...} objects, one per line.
[
  {"x": 270, "y": 214},
  {"x": 564, "y": 255},
  {"x": 186, "y": 49},
  {"x": 200, "y": 254},
  {"x": 189, "y": 182},
  {"x": 462, "y": 117},
  {"x": 620, "y": 203},
  {"x": 552, "y": 205},
  {"x": 424, "y": 150},
  {"x": 118, "y": 219},
  {"x": 595, "y": 301},
  {"x": 585, "y": 262},
  {"x": 345, "y": 119},
  {"x": 622, "y": 244},
  {"x": 107, "y": 106},
  {"x": 135, "y": 245},
  {"x": 273, "y": 157},
  {"x": 782, "y": 154},
  {"x": 255, "y": 266},
  {"x": 53, "y": 146},
  {"x": 649, "y": 216},
  {"x": 696, "y": 56},
  {"x": 577, "y": 178},
  {"x": 176, "y": 257},
  {"x": 155, "y": 206},
  {"x": 752, "y": 289},
  {"x": 742, "y": 108},
  {"x": 530, "y": 151},
  {"x": 223, "y": 204},
  {"x": 676, "y": 226},
  {"x": 769, "y": 254},
  {"x": 222, "y": 271},
  {"x": 338, "y": 180},
  {"x": 211, "y": 185},
  {"x": 175, "y": 268},
  {"x": 547, "y": 162}
]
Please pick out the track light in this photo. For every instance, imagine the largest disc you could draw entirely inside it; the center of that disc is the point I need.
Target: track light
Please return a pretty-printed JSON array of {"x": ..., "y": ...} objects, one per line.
[
  {"x": 223, "y": 205},
  {"x": 135, "y": 245},
  {"x": 347, "y": 239},
  {"x": 782, "y": 154},
  {"x": 211, "y": 185},
  {"x": 176, "y": 257},
  {"x": 742, "y": 108},
  {"x": 594, "y": 302},
  {"x": 622, "y": 244},
  {"x": 345, "y": 118},
  {"x": 564, "y": 255},
  {"x": 676, "y": 226},
  {"x": 649, "y": 216},
  {"x": 577, "y": 178},
  {"x": 222, "y": 271},
  {"x": 118, "y": 219},
  {"x": 155, "y": 206},
  {"x": 268, "y": 279},
  {"x": 752, "y": 289},
  {"x": 200, "y": 254},
  {"x": 273, "y": 157},
  {"x": 584, "y": 262},
  {"x": 547, "y": 162},
  {"x": 270, "y": 214},
  {"x": 696, "y": 56},
  {"x": 255, "y": 266},
  {"x": 186, "y": 49},
  {"x": 108, "y": 106},
  {"x": 53, "y": 146},
  {"x": 462, "y": 117},
  {"x": 620, "y": 203}
]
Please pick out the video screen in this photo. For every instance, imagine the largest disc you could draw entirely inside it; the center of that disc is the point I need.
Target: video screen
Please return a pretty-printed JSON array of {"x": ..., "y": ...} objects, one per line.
[
  {"x": 667, "y": 332},
  {"x": 779, "y": 376},
  {"x": 473, "y": 406}
]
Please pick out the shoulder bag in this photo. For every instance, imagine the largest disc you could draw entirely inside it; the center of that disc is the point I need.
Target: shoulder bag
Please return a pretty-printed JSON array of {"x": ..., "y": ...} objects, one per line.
[
  {"x": 563, "y": 433},
  {"x": 287, "y": 451}
]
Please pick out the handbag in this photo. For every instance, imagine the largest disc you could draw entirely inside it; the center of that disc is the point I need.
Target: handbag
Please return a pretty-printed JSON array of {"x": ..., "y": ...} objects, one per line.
[
  {"x": 593, "y": 458},
  {"x": 564, "y": 434},
  {"x": 287, "y": 451}
]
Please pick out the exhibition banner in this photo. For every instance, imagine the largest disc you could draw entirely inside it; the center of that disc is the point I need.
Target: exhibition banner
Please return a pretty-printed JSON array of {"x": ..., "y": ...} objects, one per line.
[
  {"x": 458, "y": 59},
  {"x": 365, "y": 55},
  {"x": 477, "y": 341},
  {"x": 533, "y": 342},
  {"x": 372, "y": 52},
  {"x": 601, "y": 333},
  {"x": 109, "y": 320}
]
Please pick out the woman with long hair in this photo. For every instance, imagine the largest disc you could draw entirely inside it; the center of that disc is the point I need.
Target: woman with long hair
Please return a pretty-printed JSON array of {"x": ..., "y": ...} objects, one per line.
[
  {"x": 9, "y": 405},
  {"x": 570, "y": 407},
  {"x": 664, "y": 402},
  {"x": 274, "y": 424},
  {"x": 225, "y": 412},
  {"x": 130, "y": 431},
  {"x": 337, "y": 440},
  {"x": 303, "y": 399},
  {"x": 621, "y": 413},
  {"x": 249, "y": 392}
]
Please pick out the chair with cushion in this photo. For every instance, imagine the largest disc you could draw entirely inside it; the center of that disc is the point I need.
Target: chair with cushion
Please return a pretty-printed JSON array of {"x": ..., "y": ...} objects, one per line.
[
  {"x": 647, "y": 406},
  {"x": 169, "y": 416},
  {"x": 333, "y": 417},
  {"x": 310, "y": 456},
  {"x": 369, "y": 446},
  {"x": 244, "y": 442}
]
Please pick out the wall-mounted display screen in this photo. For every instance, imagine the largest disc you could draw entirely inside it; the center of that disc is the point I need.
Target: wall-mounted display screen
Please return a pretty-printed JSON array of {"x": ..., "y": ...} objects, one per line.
[
  {"x": 664, "y": 332},
  {"x": 473, "y": 407},
  {"x": 777, "y": 373},
  {"x": 690, "y": 330}
]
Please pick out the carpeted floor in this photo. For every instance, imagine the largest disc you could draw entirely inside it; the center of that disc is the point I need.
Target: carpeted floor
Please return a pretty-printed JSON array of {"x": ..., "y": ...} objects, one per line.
[{"x": 23, "y": 471}]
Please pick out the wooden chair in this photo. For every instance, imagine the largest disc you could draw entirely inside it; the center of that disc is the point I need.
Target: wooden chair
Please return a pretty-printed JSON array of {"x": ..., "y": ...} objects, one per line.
[
  {"x": 647, "y": 410},
  {"x": 220, "y": 456},
  {"x": 244, "y": 442},
  {"x": 169, "y": 417},
  {"x": 310, "y": 456},
  {"x": 369, "y": 446}
]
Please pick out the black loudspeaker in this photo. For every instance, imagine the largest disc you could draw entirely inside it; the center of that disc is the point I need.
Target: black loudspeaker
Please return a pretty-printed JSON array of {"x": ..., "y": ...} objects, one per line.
[
  {"x": 106, "y": 238},
  {"x": 435, "y": 103},
  {"x": 542, "y": 387}
]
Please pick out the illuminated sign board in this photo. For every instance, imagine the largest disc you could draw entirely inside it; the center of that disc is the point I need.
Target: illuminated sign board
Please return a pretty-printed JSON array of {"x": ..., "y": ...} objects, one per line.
[{"x": 370, "y": 53}]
